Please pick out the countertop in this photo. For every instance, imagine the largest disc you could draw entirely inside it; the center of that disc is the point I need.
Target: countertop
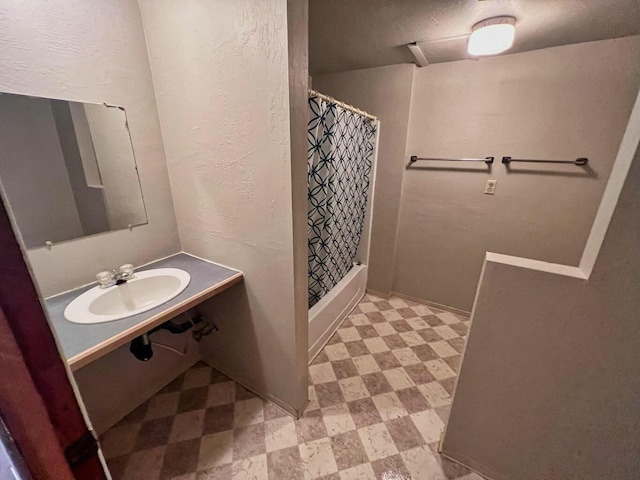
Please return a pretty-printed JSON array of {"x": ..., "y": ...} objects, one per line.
[{"x": 82, "y": 344}]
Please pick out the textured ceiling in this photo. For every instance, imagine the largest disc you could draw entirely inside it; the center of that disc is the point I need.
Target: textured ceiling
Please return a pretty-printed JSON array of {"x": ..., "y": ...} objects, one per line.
[{"x": 352, "y": 34}]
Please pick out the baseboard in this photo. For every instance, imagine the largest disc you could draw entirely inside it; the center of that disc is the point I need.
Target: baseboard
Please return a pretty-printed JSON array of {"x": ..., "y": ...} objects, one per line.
[
  {"x": 428, "y": 303},
  {"x": 285, "y": 407},
  {"x": 475, "y": 467},
  {"x": 386, "y": 296}
]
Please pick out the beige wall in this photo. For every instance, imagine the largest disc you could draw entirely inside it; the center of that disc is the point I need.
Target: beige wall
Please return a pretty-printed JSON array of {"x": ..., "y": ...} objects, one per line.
[
  {"x": 550, "y": 380},
  {"x": 386, "y": 93},
  {"x": 558, "y": 103},
  {"x": 223, "y": 102},
  {"x": 298, "y": 58},
  {"x": 94, "y": 51}
]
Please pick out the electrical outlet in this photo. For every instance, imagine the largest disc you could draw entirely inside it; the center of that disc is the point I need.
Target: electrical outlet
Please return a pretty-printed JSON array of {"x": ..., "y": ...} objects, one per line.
[{"x": 490, "y": 188}]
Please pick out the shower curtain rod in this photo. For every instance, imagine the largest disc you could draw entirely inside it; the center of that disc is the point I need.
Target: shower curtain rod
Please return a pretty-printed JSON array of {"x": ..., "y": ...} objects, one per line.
[{"x": 346, "y": 106}]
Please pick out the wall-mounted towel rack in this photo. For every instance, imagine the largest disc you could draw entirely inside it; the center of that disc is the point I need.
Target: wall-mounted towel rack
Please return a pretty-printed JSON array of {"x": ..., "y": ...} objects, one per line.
[
  {"x": 578, "y": 161},
  {"x": 487, "y": 160}
]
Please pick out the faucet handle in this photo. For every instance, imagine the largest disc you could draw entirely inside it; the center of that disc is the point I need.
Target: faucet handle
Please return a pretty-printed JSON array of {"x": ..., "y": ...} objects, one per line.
[
  {"x": 105, "y": 279},
  {"x": 127, "y": 270}
]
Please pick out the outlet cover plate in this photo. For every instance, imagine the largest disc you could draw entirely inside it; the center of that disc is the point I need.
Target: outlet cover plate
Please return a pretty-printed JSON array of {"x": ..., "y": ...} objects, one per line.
[{"x": 490, "y": 188}]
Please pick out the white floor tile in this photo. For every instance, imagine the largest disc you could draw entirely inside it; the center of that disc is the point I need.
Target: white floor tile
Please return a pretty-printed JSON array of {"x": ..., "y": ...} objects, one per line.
[
  {"x": 429, "y": 425},
  {"x": 248, "y": 412},
  {"x": 377, "y": 441},
  {"x": 252, "y": 468},
  {"x": 280, "y": 433},
  {"x": 317, "y": 458}
]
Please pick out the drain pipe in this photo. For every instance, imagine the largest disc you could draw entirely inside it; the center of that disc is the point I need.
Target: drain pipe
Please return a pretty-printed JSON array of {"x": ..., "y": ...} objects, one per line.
[{"x": 141, "y": 347}]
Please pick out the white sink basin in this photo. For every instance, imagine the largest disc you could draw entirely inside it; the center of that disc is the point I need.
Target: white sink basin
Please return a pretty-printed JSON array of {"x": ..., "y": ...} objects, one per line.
[{"x": 145, "y": 291}]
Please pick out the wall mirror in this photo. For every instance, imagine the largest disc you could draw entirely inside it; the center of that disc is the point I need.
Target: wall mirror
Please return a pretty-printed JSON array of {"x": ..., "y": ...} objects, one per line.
[{"x": 67, "y": 169}]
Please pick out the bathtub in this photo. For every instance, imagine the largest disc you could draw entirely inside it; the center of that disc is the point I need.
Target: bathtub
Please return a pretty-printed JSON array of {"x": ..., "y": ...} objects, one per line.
[{"x": 326, "y": 316}]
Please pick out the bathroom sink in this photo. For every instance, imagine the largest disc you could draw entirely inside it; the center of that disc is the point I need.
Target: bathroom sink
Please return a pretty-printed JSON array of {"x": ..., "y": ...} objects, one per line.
[{"x": 146, "y": 290}]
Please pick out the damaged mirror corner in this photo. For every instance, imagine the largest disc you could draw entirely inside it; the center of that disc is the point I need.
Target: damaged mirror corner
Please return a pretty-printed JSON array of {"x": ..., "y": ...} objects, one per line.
[{"x": 67, "y": 169}]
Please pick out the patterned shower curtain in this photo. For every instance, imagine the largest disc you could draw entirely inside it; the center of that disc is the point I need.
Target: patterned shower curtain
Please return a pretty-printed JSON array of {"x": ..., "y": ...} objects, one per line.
[{"x": 340, "y": 154}]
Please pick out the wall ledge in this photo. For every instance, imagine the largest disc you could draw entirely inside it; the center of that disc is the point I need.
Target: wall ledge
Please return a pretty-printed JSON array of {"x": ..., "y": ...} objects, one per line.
[{"x": 539, "y": 265}]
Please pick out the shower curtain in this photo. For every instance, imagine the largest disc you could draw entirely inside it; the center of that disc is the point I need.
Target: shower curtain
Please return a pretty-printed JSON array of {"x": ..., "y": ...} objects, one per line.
[{"x": 339, "y": 159}]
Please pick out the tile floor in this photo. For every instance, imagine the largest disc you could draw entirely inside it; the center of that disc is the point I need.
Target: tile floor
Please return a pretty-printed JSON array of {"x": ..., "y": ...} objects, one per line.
[{"x": 380, "y": 394}]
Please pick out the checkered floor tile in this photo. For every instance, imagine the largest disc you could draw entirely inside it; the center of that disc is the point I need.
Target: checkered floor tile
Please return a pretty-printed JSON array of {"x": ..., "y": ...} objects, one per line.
[{"x": 379, "y": 398}]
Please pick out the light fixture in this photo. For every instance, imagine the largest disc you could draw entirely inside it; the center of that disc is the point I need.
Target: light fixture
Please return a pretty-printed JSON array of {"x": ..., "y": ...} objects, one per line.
[{"x": 492, "y": 36}]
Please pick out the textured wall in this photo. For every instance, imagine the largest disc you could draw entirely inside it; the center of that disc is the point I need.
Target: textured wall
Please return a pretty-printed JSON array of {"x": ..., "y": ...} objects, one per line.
[
  {"x": 550, "y": 381},
  {"x": 220, "y": 71},
  {"x": 386, "y": 93},
  {"x": 92, "y": 52},
  {"x": 298, "y": 56},
  {"x": 95, "y": 52},
  {"x": 563, "y": 102}
]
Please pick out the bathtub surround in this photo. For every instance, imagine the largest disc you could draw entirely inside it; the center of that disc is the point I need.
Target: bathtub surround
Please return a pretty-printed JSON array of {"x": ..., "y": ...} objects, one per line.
[
  {"x": 386, "y": 93},
  {"x": 495, "y": 106},
  {"x": 223, "y": 103}
]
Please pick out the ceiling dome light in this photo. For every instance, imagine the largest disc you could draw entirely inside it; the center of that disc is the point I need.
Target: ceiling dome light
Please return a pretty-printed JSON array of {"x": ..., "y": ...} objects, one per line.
[{"x": 492, "y": 36}]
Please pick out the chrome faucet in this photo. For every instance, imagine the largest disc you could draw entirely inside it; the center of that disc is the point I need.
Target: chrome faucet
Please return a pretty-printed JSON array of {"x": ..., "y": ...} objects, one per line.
[{"x": 108, "y": 279}]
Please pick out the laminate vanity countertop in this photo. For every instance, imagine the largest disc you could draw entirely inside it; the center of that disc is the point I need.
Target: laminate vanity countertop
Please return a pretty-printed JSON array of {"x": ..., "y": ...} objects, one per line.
[{"x": 82, "y": 344}]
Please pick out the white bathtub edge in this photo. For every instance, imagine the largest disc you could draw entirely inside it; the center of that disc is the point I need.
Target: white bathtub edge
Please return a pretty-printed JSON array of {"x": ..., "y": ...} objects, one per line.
[{"x": 326, "y": 316}]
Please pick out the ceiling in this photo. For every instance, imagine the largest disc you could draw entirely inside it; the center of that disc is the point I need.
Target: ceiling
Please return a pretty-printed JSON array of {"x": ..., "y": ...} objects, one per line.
[{"x": 353, "y": 34}]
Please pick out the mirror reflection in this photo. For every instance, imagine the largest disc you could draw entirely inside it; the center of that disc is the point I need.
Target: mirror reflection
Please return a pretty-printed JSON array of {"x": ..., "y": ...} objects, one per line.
[{"x": 67, "y": 168}]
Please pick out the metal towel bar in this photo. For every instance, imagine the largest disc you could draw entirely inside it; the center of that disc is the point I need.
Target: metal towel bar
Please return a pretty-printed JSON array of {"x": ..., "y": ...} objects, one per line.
[
  {"x": 578, "y": 161},
  {"x": 487, "y": 160}
]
